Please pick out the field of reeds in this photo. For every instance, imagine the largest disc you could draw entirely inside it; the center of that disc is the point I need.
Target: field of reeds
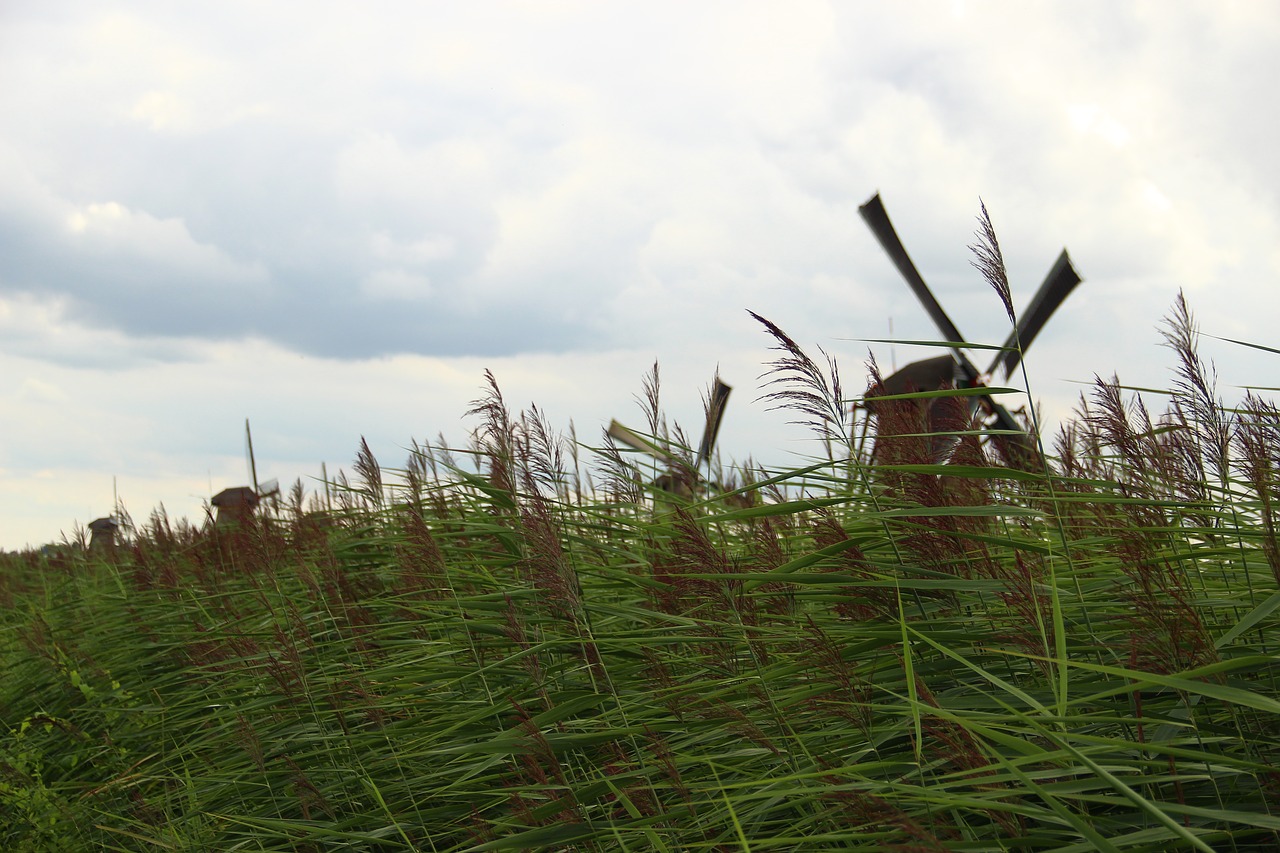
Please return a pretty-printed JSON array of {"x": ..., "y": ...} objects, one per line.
[{"x": 523, "y": 645}]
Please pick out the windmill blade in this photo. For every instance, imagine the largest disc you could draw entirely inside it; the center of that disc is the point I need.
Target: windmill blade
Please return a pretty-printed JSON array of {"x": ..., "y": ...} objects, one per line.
[
  {"x": 1056, "y": 287},
  {"x": 253, "y": 465},
  {"x": 877, "y": 219},
  {"x": 1004, "y": 420},
  {"x": 620, "y": 433},
  {"x": 715, "y": 414},
  {"x": 1018, "y": 436}
]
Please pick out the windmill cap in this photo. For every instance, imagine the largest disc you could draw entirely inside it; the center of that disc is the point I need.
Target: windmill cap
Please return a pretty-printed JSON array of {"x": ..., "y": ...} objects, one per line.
[{"x": 235, "y": 496}]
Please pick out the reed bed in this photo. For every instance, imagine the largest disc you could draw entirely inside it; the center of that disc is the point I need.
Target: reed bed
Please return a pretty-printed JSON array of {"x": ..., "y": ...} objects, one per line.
[{"x": 521, "y": 645}]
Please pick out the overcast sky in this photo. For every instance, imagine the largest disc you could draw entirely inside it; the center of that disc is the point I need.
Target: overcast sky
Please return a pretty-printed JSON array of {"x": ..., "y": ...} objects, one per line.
[{"x": 332, "y": 218}]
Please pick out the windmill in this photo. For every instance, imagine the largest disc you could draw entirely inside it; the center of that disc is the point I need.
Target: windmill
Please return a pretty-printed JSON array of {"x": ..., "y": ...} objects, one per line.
[
  {"x": 236, "y": 504},
  {"x": 269, "y": 489},
  {"x": 681, "y": 479},
  {"x": 956, "y": 369}
]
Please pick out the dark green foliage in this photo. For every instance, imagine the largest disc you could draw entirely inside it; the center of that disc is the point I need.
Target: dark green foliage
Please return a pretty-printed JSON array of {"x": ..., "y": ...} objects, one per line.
[{"x": 911, "y": 656}]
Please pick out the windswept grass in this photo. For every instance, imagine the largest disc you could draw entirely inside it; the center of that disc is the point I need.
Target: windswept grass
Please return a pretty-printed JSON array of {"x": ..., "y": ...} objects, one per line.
[{"x": 484, "y": 651}]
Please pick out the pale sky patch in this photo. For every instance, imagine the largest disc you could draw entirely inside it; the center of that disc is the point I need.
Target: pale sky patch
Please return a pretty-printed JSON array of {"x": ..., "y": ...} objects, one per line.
[{"x": 396, "y": 285}]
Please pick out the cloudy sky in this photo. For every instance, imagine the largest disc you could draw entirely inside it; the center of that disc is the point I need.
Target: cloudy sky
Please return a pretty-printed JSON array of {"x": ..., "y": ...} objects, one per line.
[{"x": 332, "y": 218}]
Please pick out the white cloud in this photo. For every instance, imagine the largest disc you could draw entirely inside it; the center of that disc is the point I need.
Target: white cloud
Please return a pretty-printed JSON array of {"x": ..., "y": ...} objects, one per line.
[
  {"x": 42, "y": 392},
  {"x": 396, "y": 285},
  {"x": 418, "y": 252},
  {"x": 1090, "y": 119},
  {"x": 116, "y": 234},
  {"x": 161, "y": 110},
  {"x": 42, "y": 330}
]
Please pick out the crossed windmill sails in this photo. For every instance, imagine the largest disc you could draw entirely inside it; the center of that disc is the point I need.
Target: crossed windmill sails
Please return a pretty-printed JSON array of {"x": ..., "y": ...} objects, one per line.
[
  {"x": 681, "y": 478},
  {"x": 955, "y": 370}
]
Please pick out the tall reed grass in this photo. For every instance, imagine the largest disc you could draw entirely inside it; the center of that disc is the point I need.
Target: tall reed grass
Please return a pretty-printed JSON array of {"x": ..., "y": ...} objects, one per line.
[{"x": 521, "y": 645}]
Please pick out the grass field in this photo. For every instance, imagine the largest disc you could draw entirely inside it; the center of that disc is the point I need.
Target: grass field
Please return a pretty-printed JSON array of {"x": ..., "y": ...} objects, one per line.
[{"x": 519, "y": 645}]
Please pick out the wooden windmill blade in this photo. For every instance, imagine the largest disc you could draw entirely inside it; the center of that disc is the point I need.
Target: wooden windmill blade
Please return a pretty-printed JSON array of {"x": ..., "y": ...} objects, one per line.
[
  {"x": 716, "y": 404},
  {"x": 680, "y": 478},
  {"x": 253, "y": 464},
  {"x": 877, "y": 218},
  {"x": 269, "y": 489},
  {"x": 637, "y": 442},
  {"x": 1053, "y": 291}
]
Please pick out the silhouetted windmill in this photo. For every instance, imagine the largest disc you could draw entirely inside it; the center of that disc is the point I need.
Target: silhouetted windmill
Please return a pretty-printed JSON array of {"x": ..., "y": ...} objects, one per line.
[
  {"x": 956, "y": 369},
  {"x": 237, "y": 504},
  {"x": 682, "y": 479},
  {"x": 269, "y": 489}
]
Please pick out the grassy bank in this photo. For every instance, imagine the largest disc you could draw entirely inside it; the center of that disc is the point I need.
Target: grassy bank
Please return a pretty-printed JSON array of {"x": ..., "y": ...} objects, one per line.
[{"x": 521, "y": 646}]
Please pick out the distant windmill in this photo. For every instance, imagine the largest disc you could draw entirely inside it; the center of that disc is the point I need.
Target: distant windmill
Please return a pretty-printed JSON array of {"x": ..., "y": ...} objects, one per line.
[
  {"x": 103, "y": 538},
  {"x": 956, "y": 369},
  {"x": 269, "y": 489},
  {"x": 681, "y": 479},
  {"x": 237, "y": 503}
]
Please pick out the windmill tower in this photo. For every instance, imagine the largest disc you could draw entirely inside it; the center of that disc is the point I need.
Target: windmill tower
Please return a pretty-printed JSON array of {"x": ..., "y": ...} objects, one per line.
[{"x": 102, "y": 537}]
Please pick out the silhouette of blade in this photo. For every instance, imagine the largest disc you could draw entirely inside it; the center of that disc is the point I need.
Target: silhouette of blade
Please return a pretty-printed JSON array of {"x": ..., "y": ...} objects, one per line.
[
  {"x": 1057, "y": 286},
  {"x": 715, "y": 414},
  {"x": 877, "y": 219},
  {"x": 1004, "y": 420},
  {"x": 634, "y": 441},
  {"x": 1020, "y": 437}
]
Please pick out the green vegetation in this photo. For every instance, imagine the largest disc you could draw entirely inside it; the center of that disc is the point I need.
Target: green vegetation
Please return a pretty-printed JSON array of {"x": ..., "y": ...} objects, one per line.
[{"x": 1069, "y": 652}]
